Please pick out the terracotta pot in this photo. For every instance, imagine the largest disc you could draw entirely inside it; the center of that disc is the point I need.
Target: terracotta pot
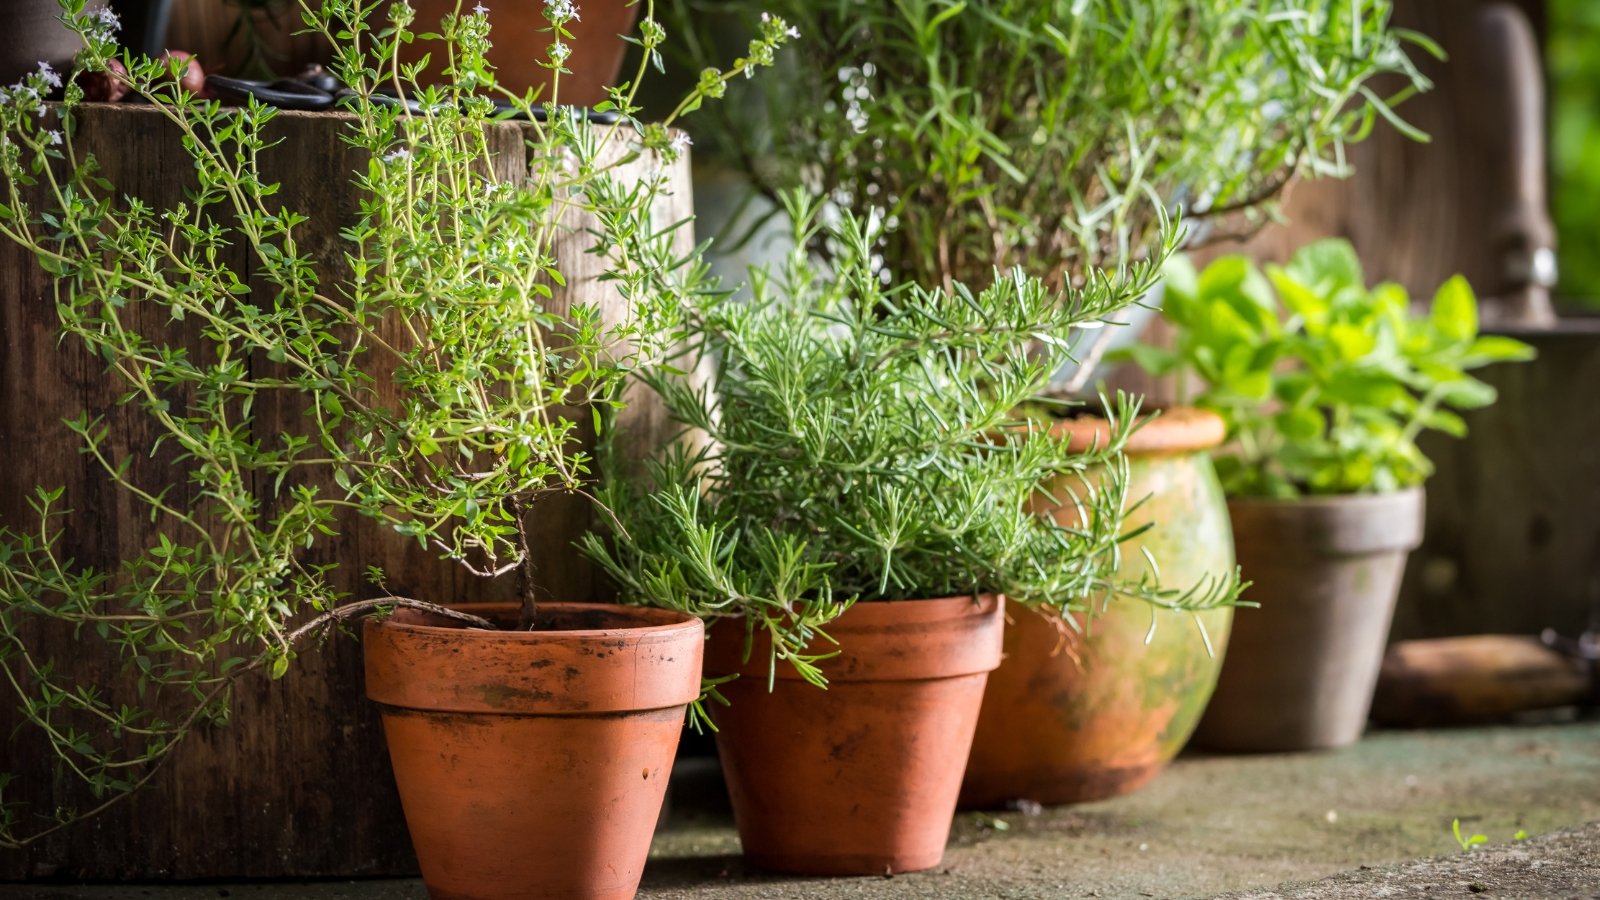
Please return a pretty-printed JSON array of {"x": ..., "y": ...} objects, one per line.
[
  {"x": 1071, "y": 717},
  {"x": 532, "y": 764},
  {"x": 1326, "y": 571},
  {"x": 861, "y": 778},
  {"x": 521, "y": 38}
]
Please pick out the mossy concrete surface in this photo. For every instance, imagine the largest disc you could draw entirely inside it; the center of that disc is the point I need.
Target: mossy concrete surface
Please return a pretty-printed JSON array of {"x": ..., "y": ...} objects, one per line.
[{"x": 1263, "y": 825}]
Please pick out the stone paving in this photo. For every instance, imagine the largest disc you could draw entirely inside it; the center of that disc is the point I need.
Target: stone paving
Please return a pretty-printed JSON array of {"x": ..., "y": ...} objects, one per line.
[{"x": 1370, "y": 821}]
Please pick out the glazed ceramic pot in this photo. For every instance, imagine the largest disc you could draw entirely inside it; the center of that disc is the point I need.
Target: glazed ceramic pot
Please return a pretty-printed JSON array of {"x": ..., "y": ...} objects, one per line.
[
  {"x": 1072, "y": 716},
  {"x": 532, "y": 764},
  {"x": 1326, "y": 571},
  {"x": 521, "y": 37},
  {"x": 860, "y": 778}
]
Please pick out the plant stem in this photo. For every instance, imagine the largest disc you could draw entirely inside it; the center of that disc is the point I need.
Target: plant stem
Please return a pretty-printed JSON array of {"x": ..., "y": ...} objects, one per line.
[{"x": 526, "y": 569}]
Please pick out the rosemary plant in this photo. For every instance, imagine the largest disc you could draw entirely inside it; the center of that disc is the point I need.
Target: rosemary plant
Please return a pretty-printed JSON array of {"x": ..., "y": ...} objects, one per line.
[
  {"x": 861, "y": 444},
  {"x": 1054, "y": 135},
  {"x": 437, "y": 383}
]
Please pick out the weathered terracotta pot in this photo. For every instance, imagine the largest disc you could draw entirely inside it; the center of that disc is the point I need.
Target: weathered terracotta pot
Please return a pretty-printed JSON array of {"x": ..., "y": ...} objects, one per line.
[
  {"x": 1302, "y": 668},
  {"x": 532, "y": 764},
  {"x": 861, "y": 778},
  {"x": 1076, "y": 716},
  {"x": 521, "y": 37}
]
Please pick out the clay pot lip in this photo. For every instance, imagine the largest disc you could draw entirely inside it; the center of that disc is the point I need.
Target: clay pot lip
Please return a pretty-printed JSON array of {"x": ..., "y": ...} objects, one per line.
[
  {"x": 667, "y": 623},
  {"x": 870, "y": 612},
  {"x": 958, "y": 635},
  {"x": 1333, "y": 524},
  {"x": 1170, "y": 430},
  {"x": 1401, "y": 497}
]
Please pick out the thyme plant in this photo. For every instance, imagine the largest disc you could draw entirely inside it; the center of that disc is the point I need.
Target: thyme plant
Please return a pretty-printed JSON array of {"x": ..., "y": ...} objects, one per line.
[
  {"x": 1324, "y": 383},
  {"x": 437, "y": 383},
  {"x": 861, "y": 443},
  {"x": 1054, "y": 135}
]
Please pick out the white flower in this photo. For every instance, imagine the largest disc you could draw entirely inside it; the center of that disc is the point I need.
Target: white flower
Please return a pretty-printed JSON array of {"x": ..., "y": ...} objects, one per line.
[
  {"x": 54, "y": 137},
  {"x": 561, "y": 11},
  {"x": 397, "y": 155},
  {"x": 680, "y": 141},
  {"x": 106, "y": 24},
  {"x": 48, "y": 75},
  {"x": 559, "y": 52},
  {"x": 481, "y": 10}
]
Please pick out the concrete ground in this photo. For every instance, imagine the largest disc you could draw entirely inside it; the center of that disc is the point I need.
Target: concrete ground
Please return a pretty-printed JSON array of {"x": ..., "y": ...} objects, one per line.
[{"x": 1263, "y": 826}]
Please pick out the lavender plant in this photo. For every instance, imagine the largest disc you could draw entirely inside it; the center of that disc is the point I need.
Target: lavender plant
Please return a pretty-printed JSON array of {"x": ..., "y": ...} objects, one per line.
[{"x": 444, "y": 280}]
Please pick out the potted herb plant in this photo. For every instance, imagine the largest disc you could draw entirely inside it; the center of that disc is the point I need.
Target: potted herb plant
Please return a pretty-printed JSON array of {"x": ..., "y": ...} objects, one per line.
[
  {"x": 863, "y": 461},
  {"x": 1324, "y": 384},
  {"x": 423, "y": 372},
  {"x": 1058, "y": 136}
]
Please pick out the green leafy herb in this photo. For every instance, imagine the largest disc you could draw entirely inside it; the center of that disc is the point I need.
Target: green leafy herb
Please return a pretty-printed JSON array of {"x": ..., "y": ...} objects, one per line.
[
  {"x": 1055, "y": 135},
  {"x": 437, "y": 379},
  {"x": 1324, "y": 383},
  {"x": 857, "y": 442}
]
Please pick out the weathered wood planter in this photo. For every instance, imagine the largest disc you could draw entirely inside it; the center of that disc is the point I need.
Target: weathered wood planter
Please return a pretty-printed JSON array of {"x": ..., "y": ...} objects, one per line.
[{"x": 299, "y": 784}]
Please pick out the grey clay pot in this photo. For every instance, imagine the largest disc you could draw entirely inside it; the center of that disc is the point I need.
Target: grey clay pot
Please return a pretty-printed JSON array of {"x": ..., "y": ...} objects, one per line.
[{"x": 1300, "y": 670}]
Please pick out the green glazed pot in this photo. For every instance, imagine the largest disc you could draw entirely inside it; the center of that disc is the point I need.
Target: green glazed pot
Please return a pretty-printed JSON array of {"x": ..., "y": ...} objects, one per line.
[{"x": 1071, "y": 717}]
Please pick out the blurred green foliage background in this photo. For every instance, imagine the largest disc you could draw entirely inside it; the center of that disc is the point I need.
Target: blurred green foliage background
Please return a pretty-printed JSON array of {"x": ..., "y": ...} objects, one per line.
[{"x": 1573, "y": 58}]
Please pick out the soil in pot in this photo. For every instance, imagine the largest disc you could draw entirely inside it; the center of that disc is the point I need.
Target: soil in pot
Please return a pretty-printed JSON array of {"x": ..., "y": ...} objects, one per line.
[
  {"x": 860, "y": 778},
  {"x": 1326, "y": 571},
  {"x": 533, "y": 764},
  {"x": 1072, "y": 716}
]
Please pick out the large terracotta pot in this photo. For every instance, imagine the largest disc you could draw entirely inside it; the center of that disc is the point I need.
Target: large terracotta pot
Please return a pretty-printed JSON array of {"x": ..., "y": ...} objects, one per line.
[
  {"x": 521, "y": 38},
  {"x": 860, "y": 778},
  {"x": 532, "y": 764},
  {"x": 1076, "y": 716},
  {"x": 1326, "y": 571}
]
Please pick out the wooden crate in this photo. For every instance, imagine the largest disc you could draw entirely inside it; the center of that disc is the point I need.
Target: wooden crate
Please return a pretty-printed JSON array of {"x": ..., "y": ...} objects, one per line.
[{"x": 299, "y": 785}]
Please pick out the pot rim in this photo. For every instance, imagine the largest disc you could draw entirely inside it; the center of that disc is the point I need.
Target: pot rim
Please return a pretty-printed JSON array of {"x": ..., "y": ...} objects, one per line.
[
  {"x": 1167, "y": 430},
  {"x": 958, "y": 635},
  {"x": 453, "y": 671},
  {"x": 1313, "y": 500},
  {"x": 676, "y": 621}
]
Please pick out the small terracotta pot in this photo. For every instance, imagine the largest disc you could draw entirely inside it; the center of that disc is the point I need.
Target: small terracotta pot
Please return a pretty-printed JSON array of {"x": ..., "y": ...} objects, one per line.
[
  {"x": 521, "y": 37},
  {"x": 532, "y": 764},
  {"x": 1302, "y": 668},
  {"x": 861, "y": 778},
  {"x": 1073, "y": 716}
]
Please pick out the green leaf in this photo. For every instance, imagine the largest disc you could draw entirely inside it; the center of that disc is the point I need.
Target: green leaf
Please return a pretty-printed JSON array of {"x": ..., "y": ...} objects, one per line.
[
  {"x": 1300, "y": 424},
  {"x": 1468, "y": 393},
  {"x": 1446, "y": 421},
  {"x": 1495, "y": 348},
  {"x": 1327, "y": 266},
  {"x": 1154, "y": 360},
  {"x": 1455, "y": 310},
  {"x": 1353, "y": 341}
]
